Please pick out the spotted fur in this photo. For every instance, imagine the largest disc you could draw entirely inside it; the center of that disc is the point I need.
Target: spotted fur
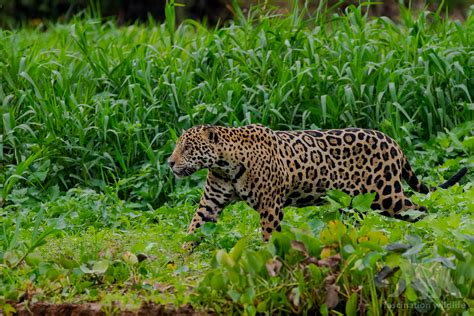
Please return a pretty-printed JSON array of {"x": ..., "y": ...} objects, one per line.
[{"x": 273, "y": 169}]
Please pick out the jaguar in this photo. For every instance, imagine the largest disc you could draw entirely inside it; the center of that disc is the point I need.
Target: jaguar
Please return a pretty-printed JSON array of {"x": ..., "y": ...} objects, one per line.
[{"x": 272, "y": 169}]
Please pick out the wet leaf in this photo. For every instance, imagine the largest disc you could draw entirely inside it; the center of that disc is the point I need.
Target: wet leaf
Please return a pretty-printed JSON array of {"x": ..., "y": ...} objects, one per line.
[
  {"x": 458, "y": 254},
  {"x": 397, "y": 247},
  {"x": 413, "y": 239},
  {"x": 444, "y": 261},
  {"x": 399, "y": 289},
  {"x": 414, "y": 250},
  {"x": 383, "y": 274}
]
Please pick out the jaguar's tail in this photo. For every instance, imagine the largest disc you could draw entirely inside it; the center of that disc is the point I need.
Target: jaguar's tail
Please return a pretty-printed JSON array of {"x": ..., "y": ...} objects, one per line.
[
  {"x": 415, "y": 184},
  {"x": 454, "y": 179}
]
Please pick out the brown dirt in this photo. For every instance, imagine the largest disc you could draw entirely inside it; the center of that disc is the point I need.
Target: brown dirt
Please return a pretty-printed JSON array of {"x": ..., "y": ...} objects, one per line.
[{"x": 95, "y": 309}]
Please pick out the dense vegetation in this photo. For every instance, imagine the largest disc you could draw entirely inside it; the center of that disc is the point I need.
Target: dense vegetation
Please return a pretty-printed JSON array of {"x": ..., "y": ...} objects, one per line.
[{"x": 90, "y": 111}]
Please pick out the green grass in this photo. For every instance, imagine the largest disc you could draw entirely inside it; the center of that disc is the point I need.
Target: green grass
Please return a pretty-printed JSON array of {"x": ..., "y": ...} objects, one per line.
[{"x": 90, "y": 112}]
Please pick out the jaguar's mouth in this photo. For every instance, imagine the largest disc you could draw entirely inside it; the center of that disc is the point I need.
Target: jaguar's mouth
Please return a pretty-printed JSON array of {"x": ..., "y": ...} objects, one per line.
[{"x": 183, "y": 171}]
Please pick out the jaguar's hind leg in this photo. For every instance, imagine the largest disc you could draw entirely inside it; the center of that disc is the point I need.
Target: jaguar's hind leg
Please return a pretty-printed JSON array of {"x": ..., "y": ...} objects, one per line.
[
  {"x": 395, "y": 206},
  {"x": 409, "y": 205}
]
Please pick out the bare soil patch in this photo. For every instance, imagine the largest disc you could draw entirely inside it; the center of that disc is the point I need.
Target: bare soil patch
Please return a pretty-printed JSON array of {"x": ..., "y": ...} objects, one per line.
[{"x": 95, "y": 309}]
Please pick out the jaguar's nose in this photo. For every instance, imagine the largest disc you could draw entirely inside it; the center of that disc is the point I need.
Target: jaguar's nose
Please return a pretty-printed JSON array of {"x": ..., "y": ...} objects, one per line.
[{"x": 171, "y": 163}]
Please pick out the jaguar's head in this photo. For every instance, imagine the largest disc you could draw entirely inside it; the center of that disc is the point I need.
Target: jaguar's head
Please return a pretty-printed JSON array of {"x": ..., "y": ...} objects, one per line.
[{"x": 195, "y": 150}]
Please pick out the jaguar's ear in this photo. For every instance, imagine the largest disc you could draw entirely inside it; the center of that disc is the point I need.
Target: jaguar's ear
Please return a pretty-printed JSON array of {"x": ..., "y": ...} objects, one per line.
[{"x": 212, "y": 134}]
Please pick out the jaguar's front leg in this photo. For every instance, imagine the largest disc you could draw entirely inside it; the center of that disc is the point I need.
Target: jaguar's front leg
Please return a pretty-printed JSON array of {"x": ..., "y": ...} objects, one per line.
[
  {"x": 217, "y": 194},
  {"x": 270, "y": 219}
]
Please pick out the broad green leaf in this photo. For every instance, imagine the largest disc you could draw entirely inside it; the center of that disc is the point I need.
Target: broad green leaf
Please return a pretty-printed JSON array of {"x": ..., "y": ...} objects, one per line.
[
  {"x": 352, "y": 305},
  {"x": 362, "y": 202},
  {"x": 343, "y": 199},
  {"x": 224, "y": 260},
  {"x": 411, "y": 294},
  {"x": 333, "y": 232},
  {"x": 100, "y": 266},
  {"x": 238, "y": 249},
  {"x": 234, "y": 295}
]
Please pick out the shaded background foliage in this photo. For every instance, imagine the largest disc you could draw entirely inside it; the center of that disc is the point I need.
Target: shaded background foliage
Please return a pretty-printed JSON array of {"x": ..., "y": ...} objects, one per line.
[{"x": 13, "y": 12}]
